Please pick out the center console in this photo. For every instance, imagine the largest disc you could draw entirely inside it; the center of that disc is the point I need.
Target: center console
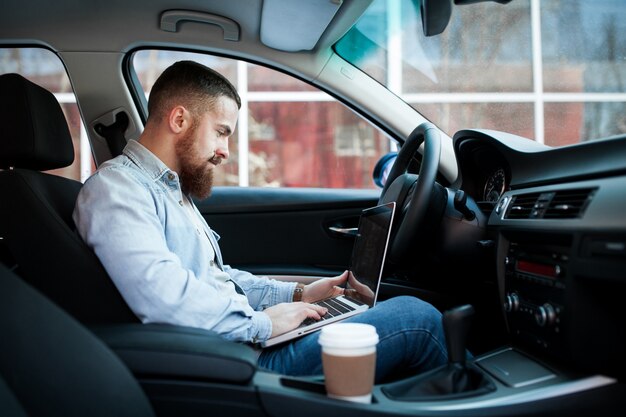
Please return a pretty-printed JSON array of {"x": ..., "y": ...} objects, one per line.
[
  {"x": 562, "y": 299},
  {"x": 535, "y": 296},
  {"x": 523, "y": 387},
  {"x": 193, "y": 372},
  {"x": 562, "y": 285}
]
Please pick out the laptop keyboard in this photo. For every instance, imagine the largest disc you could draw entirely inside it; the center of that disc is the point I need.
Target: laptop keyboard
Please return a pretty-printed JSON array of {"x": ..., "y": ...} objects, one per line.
[{"x": 335, "y": 308}]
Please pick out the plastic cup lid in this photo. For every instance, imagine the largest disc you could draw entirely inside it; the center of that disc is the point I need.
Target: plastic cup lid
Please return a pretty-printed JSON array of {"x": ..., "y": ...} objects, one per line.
[{"x": 348, "y": 335}]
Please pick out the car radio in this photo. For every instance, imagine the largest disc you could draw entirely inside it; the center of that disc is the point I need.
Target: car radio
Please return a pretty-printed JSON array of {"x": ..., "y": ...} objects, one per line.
[{"x": 534, "y": 301}]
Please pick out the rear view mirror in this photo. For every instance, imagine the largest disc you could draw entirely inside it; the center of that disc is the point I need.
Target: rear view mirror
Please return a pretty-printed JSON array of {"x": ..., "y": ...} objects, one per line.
[
  {"x": 436, "y": 13},
  {"x": 383, "y": 167}
]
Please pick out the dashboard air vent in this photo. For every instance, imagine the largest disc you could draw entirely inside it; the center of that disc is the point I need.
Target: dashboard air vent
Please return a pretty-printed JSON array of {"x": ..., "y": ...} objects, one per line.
[
  {"x": 521, "y": 206},
  {"x": 562, "y": 204},
  {"x": 568, "y": 204}
]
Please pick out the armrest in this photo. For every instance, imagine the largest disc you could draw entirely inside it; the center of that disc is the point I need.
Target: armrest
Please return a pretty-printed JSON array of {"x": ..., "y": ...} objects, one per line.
[{"x": 180, "y": 352}]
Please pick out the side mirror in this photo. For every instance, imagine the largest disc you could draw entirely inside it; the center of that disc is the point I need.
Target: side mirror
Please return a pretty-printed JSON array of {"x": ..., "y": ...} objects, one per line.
[{"x": 383, "y": 167}]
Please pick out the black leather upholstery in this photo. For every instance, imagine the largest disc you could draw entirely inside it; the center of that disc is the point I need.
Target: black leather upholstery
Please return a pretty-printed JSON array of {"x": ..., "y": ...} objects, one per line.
[
  {"x": 166, "y": 351},
  {"x": 29, "y": 117},
  {"x": 50, "y": 365},
  {"x": 36, "y": 225}
]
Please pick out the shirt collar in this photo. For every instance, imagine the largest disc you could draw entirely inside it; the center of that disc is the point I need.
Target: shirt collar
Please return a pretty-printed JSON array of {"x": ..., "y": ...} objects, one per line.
[{"x": 146, "y": 160}]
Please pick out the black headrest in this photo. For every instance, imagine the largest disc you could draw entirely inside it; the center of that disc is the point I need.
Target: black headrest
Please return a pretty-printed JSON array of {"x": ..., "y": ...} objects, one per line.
[{"x": 33, "y": 130}]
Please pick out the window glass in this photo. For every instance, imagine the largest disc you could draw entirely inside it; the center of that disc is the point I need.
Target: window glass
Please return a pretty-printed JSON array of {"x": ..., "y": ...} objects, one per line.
[
  {"x": 591, "y": 58},
  {"x": 312, "y": 144},
  {"x": 564, "y": 59},
  {"x": 483, "y": 49},
  {"x": 516, "y": 118},
  {"x": 365, "y": 45},
  {"x": 149, "y": 64},
  {"x": 45, "y": 69},
  {"x": 566, "y": 122},
  {"x": 266, "y": 79},
  {"x": 294, "y": 135}
]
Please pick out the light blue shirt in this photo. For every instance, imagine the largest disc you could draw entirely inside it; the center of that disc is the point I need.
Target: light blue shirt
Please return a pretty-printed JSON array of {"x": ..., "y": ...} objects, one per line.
[{"x": 167, "y": 264}]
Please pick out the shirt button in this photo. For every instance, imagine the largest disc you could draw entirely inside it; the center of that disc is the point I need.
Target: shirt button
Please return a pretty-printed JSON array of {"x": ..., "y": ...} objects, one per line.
[
  {"x": 171, "y": 176},
  {"x": 212, "y": 263},
  {"x": 180, "y": 202}
]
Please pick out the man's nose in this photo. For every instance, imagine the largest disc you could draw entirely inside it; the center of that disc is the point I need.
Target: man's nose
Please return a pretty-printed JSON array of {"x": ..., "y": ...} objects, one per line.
[{"x": 222, "y": 149}]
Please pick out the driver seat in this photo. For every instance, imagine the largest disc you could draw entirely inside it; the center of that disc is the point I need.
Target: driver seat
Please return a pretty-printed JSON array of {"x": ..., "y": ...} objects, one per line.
[{"x": 38, "y": 239}]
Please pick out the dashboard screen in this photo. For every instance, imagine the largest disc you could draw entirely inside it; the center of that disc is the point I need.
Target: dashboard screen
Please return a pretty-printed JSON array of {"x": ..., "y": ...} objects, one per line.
[{"x": 544, "y": 270}]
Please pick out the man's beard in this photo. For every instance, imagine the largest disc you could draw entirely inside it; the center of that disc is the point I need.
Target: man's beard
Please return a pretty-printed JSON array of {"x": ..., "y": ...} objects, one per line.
[{"x": 196, "y": 176}]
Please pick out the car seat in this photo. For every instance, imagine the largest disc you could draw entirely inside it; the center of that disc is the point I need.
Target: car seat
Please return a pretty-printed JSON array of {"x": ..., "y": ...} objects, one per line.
[
  {"x": 38, "y": 239},
  {"x": 39, "y": 242},
  {"x": 50, "y": 365}
]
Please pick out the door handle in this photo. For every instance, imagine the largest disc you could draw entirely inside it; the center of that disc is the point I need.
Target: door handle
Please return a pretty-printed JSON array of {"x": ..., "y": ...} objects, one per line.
[{"x": 346, "y": 231}]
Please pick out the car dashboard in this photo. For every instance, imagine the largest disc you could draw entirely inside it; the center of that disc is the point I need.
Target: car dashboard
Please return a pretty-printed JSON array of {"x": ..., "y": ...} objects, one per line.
[{"x": 556, "y": 217}]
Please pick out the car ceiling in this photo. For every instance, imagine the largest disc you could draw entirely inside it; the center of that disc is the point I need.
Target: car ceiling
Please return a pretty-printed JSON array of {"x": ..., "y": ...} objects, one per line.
[
  {"x": 122, "y": 25},
  {"x": 109, "y": 29}
]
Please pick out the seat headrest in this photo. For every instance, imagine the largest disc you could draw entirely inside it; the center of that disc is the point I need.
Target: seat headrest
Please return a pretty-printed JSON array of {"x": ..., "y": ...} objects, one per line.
[{"x": 33, "y": 130}]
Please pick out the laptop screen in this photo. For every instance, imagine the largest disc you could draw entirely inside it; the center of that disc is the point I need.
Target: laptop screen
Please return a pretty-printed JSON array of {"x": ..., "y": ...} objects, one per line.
[{"x": 368, "y": 253}]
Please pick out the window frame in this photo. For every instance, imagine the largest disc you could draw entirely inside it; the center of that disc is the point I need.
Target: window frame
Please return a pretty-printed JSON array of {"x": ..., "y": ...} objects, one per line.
[{"x": 134, "y": 85}]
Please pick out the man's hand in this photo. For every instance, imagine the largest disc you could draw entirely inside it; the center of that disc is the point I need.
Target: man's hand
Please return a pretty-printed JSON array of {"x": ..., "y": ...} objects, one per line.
[
  {"x": 359, "y": 291},
  {"x": 324, "y": 288},
  {"x": 288, "y": 316}
]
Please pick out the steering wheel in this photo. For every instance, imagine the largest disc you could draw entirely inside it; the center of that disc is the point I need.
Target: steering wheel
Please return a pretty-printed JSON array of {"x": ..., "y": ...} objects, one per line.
[{"x": 412, "y": 193}]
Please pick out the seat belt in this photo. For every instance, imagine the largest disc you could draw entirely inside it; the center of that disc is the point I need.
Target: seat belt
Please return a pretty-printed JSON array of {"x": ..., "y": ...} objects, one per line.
[{"x": 114, "y": 133}]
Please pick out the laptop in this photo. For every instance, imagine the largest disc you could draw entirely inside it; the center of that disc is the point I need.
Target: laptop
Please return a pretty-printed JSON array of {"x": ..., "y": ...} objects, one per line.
[{"x": 365, "y": 273}]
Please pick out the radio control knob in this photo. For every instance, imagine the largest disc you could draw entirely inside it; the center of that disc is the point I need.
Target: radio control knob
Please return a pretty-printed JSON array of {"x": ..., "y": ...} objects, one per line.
[
  {"x": 558, "y": 271},
  {"x": 545, "y": 315},
  {"x": 511, "y": 304}
]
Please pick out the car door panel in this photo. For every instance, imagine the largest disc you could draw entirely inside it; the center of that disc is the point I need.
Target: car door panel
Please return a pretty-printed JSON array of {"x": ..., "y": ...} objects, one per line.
[{"x": 286, "y": 231}]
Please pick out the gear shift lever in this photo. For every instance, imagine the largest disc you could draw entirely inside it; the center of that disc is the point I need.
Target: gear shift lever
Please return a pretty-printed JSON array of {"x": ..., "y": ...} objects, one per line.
[
  {"x": 454, "y": 380},
  {"x": 456, "y": 325}
]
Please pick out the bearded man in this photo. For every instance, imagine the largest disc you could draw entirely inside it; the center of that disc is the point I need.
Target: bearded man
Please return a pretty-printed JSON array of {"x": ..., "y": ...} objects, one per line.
[{"x": 136, "y": 212}]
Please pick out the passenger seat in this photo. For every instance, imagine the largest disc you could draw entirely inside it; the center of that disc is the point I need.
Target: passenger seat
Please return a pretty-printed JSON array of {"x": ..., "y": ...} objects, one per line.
[{"x": 37, "y": 234}]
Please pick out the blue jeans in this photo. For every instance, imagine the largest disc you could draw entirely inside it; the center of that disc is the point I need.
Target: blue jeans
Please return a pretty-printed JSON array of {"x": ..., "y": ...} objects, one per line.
[{"x": 411, "y": 341}]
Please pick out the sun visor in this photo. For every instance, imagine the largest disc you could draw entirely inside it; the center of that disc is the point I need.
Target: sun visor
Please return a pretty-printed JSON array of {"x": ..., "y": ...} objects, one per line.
[{"x": 293, "y": 26}]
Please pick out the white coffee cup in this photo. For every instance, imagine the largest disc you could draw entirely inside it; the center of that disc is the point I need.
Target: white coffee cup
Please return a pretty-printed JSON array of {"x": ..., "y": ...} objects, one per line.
[{"x": 349, "y": 360}]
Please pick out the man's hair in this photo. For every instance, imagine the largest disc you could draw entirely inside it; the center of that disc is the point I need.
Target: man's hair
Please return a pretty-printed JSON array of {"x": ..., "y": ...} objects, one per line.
[{"x": 192, "y": 85}]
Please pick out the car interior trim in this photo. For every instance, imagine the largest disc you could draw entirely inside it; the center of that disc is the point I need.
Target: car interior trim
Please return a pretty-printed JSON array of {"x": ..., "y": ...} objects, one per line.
[
  {"x": 595, "y": 215},
  {"x": 171, "y": 19},
  {"x": 538, "y": 394},
  {"x": 296, "y": 26}
]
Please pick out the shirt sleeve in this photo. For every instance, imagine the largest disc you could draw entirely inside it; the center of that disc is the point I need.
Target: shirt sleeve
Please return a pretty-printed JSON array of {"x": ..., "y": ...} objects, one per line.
[
  {"x": 262, "y": 292},
  {"x": 118, "y": 217}
]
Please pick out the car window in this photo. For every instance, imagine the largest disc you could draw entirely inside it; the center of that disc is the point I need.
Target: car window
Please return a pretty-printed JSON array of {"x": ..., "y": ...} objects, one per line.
[
  {"x": 45, "y": 69},
  {"x": 289, "y": 133},
  {"x": 550, "y": 70}
]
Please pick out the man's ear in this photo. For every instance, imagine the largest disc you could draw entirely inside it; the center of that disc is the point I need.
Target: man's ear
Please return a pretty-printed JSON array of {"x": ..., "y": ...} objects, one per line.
[{"x": 179, "y": 119}]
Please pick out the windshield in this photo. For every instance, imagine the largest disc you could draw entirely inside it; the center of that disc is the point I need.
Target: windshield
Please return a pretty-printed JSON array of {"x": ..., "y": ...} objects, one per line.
[{"x": 552, "y": 70}]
